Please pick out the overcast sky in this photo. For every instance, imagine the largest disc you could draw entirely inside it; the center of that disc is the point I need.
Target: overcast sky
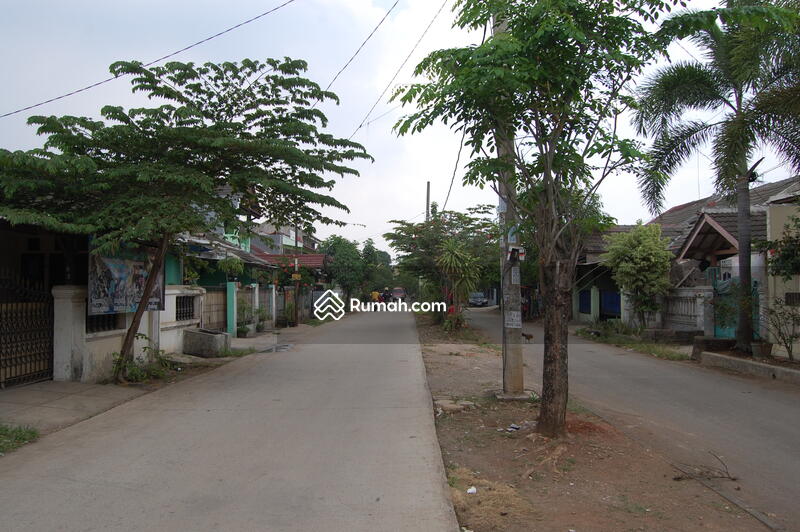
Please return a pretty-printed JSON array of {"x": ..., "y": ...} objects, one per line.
[{"x": 54, "y": 47}]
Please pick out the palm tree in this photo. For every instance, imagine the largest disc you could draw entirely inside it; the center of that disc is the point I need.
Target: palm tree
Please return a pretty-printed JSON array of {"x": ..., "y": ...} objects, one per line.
[
  {"x": 750, "y": 79},
  {"x": 461, "y": 269}
]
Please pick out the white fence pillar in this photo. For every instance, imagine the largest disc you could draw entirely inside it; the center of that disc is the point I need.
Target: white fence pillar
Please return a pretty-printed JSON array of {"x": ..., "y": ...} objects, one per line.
[{"x": 69, "y": 332}]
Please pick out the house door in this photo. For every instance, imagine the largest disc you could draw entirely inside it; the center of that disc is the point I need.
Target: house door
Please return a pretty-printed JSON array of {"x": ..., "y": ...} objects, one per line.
[
  {"x": 610, "y": 305},
  {"x": 26, "y": 332}
]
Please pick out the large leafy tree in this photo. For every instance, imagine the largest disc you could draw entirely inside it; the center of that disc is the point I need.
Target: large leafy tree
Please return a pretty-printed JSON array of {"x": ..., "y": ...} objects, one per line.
[
  {"x": 345, "y": 267},
  {"x": 377, "y": 268},
  {"x": 227, "y": 143},
  {"x": 548, "y": 87},
  {"x": 749, "y": 78},
  {"x": 419, "y": 244}
]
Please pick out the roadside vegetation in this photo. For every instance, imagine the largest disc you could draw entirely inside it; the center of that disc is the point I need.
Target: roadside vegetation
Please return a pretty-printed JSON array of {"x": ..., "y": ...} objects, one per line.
[
  {"x": 14, "y": 437},
  {"x": 610, "y": 332},
  {"x": 451, "y": 254}
]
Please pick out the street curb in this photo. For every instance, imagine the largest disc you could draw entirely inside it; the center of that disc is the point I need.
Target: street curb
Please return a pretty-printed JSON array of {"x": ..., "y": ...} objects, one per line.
[{"x": 750, "y": 367}]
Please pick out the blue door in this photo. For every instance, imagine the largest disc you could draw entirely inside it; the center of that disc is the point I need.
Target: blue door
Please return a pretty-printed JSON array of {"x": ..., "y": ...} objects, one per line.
[{"x": 610, "y": 304}]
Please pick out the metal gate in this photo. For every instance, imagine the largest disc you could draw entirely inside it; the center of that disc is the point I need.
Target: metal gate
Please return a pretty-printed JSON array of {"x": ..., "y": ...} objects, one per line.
[
  {"x": 215, "y": 308},
  {"x": 726, "y": 305},
  {"x": 26, "y": 333}
]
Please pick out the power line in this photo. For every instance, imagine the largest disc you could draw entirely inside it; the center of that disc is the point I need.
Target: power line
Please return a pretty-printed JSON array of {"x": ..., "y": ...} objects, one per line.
[
  {"x": 455, "y": 168},
  {"x": 381, "y": 233},
  {"x": 362, "y": 45},
  {"x": 399, "y": 69},
  {"x": 687, "y": 51},
  {"x": 461, "y": 145},
  {"x": 395, "y": 108},
  {"x": 93, "y": 85}
]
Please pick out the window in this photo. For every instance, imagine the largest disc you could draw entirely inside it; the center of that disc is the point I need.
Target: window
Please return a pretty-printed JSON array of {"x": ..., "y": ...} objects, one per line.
[
  {"x": 792, "y": 299},
  {"x": 184, "y": 308},
  {"x": 105, "y": 322}
]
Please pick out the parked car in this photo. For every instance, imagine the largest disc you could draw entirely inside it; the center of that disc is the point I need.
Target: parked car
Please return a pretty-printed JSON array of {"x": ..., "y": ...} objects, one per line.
[
  {"x": 477, "y": 299},
  {"x": 399, "y": 294}
]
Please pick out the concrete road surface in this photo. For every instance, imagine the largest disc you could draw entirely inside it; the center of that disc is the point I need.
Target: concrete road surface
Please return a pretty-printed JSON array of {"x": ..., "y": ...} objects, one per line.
[
  {"x": 334, "y": 435},
  {"x": 685, "y": 411}
]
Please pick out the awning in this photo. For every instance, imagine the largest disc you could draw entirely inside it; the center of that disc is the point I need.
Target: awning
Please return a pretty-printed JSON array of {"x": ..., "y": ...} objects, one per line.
[{"x": 311, "y": 260}]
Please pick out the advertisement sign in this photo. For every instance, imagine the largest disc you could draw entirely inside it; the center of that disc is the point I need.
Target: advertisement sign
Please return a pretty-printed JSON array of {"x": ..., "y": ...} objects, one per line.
[{"x": 116, "y": 283}]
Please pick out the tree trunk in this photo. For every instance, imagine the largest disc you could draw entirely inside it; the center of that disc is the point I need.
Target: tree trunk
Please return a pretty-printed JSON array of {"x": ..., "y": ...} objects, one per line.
[
  {"x": 556, "y": 279},
  {"x": 744, "y": 329},
  {"x": 126, "y": 353}
]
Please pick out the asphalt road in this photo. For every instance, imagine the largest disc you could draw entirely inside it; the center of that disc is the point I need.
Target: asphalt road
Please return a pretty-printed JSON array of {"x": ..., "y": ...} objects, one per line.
[
  {"x": 684, "y": 411},
  {"x": 329, "y": 436}
]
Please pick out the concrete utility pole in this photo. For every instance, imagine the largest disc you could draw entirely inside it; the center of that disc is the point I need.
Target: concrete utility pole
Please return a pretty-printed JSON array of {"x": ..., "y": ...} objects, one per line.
[
  {"x": 511, "y": 312},
  {"x": 428, "y": 203}
]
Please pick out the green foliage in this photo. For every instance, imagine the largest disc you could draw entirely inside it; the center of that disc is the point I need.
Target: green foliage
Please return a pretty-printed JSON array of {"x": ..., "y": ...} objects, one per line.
[
  {"x": 231, "y": 138},
  {"x": 14, "y": 437},
  {"x": 135, "y": 371},
  {"x": 286, "y": 270},
  {"x": 244, "y": 312},
  {"x": 230, "y": 143},
  {"x": 749, "y": 80},
  {"x": 459, "y": 267},
  {"x": 419, "y": 245},
  {"x": 783, "y": 256},
  {"x": 615, "y": 327},
  {"x": 616, "y": 333},
  {"x": 231, "y": 266},
  {"x": 288, "y": 312},
  {"x": 377, "y": 269},
  {"x": 640, "y": 263},
  {"x": 558, "y": 78},
  {"x": 783, "y": 323},
  {"x": 345, "y": 266}
]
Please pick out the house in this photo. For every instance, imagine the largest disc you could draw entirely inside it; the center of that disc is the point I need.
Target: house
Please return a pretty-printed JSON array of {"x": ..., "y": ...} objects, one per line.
[
  {"x": 276, "y": 240},
  {"x": 596, "y": 295},
  {"x": 64, "y": 311},
  {"x": 703, "y": 236}
]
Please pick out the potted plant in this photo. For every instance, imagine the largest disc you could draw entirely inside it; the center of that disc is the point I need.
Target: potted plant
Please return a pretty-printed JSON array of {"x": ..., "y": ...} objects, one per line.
[
  {"x": 232, "y": 267},
  {"x": 242, "y": 331},
  {"x": 289, "y": 311}
]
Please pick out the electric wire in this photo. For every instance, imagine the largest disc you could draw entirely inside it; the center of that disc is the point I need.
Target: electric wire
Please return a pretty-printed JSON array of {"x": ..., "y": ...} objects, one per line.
[
  {"x": 185, "y": 48},
  {"x": 378, "y": 100}
]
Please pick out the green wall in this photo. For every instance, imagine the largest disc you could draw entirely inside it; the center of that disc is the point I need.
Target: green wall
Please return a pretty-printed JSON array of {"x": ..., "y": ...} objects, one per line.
[{"x": 173, "y": 272}]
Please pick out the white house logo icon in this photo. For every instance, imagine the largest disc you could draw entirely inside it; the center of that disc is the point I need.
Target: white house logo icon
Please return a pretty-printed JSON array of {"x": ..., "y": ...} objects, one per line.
[{"x": 329, "y": 306}]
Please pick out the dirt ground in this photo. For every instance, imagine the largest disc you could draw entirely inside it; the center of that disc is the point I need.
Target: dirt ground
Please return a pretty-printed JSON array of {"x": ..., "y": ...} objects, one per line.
[{"x": 596, "y": 479}]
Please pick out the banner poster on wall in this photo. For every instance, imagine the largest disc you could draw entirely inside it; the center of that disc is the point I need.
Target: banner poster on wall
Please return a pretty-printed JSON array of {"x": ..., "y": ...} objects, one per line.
[{"x": 116, "y": 283}]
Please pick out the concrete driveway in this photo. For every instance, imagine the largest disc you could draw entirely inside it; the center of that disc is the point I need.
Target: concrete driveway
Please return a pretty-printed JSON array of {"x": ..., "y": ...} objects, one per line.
[
  {"x": 685, "y": 411},
  {"x": 334, "y": 434}
]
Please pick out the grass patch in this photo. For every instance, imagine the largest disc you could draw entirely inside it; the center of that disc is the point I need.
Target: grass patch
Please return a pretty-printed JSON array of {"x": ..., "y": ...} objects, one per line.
[
  {"x": 636, "y": 344},
  {"x": 238, "y": 351},
  {"x": 576, "y": 408},
  {"x": 568, "y": 465},
  {"x": 632, "y": 507},
  {"x": 14, "y": 437}
]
